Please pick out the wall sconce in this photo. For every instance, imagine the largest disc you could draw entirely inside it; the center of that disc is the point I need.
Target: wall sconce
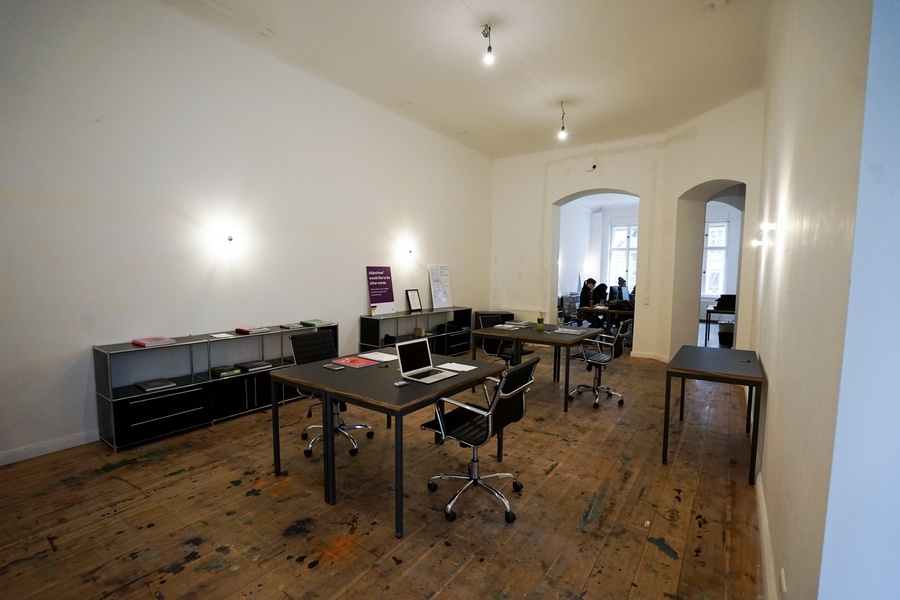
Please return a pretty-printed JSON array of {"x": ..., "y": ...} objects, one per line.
[
  {"x": 489, "y": 55},
  {"x": 756, "y": 243},
  {"x": 767, "y": 226}
]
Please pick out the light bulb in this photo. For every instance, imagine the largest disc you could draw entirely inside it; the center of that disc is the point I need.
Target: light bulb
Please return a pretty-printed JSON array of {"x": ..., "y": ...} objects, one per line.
[
  {"x": 562, "y": 133},
  {"x": 489, "y": 56}
]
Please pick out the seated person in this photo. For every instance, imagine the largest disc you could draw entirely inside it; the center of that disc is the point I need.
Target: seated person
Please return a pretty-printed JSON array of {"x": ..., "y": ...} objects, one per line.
[
  {"x": 587, "y": 301},
  {"x": 599, "y": 294}
]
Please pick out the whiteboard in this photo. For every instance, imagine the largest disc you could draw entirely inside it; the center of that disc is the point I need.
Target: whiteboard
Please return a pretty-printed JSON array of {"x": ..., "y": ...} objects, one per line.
[{"x": 440, "y": 286}]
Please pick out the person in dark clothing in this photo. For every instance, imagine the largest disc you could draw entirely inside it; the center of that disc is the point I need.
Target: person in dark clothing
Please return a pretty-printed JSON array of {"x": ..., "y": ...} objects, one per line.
[{"x": 587, "y": 301}]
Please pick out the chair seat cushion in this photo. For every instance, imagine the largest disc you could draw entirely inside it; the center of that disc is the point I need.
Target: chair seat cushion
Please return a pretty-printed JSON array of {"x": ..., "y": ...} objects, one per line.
[
  {"x": 464, "y": 426},
  {"x": 598, "y": 358}
]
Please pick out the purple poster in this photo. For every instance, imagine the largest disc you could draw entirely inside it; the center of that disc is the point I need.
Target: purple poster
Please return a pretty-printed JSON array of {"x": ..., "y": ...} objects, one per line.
[{"x": 381, "y": 289}]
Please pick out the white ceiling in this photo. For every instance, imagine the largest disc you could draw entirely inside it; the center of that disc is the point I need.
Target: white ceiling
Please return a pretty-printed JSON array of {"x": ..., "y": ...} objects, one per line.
[{"x": 621, "y": 67}]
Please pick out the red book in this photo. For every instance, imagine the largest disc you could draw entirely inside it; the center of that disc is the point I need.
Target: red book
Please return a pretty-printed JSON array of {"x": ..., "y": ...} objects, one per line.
[
  {"x": 355, "y": 362},
  {"x": 249, "y": 330},
  {"x": 152, "y": 341}
]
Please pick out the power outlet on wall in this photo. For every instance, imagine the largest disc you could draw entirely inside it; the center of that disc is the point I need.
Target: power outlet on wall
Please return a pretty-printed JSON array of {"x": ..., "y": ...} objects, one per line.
[{"x": 646, "y": 300}]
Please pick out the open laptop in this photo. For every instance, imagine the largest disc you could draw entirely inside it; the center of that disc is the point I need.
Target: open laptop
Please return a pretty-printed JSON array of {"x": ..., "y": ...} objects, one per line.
[{"x": 414, "y": 357}]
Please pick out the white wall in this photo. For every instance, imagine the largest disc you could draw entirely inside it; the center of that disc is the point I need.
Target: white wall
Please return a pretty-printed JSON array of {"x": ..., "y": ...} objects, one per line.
[
  {"x": 135, "y": 140},
  {"x": 815, "y": 96},
  {"x": 860, "y": 554},
  {"x": 574, "y": 247}
]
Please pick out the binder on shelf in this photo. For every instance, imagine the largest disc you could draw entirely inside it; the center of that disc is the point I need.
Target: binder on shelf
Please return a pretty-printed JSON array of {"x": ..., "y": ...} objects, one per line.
[
  {"x": 148, "y": 342},
  {"x": 355, "y": 362},
  {"x": 249, "y": 330},
  {"x": 253, "y": 365},
  {"x": 153, "y": 385},
  {"x": 314, "y": 322},
  {"x": 225, "y": 371}
]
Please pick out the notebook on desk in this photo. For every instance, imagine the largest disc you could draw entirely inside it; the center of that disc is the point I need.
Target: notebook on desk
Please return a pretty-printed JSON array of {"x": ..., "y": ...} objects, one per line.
[{"x": 414, "y": 357}]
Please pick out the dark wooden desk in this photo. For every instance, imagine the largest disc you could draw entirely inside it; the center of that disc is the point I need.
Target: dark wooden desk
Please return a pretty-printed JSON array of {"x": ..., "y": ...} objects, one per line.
[
  {"x": 712, "y": 310},
  {"x": 547, "y": 337},
  {"x": 372, "y": 388},
  {"x": 720, "y": 365}
]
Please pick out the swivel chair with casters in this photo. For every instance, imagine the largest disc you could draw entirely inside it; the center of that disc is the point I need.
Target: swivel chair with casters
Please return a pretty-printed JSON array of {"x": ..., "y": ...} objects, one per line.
[
  {"x": 313, "y": 346},
  {"x": 598, "y": 353},
  {"x": 474, "y": 426}
]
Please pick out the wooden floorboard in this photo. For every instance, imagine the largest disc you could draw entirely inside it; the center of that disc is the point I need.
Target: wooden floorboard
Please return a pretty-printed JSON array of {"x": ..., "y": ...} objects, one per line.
[{"x": 201, "y": 514}]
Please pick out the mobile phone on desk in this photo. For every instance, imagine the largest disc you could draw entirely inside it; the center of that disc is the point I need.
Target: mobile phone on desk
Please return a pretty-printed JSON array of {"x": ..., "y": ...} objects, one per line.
[{"x": 333, "y": 367}]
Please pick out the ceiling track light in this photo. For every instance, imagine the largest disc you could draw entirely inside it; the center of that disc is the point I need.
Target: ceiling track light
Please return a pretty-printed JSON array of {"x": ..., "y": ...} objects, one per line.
[
  {"x": 489, "y": 55},
  {"x": 562, "y": 131}
]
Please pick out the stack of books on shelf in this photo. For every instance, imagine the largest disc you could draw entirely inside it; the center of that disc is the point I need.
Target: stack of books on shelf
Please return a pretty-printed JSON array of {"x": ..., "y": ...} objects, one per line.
[
  {"x": 148, "y": 342},
  {"x": 225, "y": 371}
]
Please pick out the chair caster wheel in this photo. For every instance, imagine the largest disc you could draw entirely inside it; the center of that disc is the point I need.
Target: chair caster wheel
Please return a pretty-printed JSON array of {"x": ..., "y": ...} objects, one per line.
[
  {"x": 432, "y": 486},
  {"x": 450, "y": 516},
  {"x": 370, "y": 434},
  {"x": 304, "y": 436},
  {"x": 307, "y": 453},
  {"x": 596, "y": 404},
  {"x": 354, "y": 451},
  {"x": 510, "y": 516},
  {"x": 309, "y": 414},
  {"x": 621, "y": 401},
  {"x": 517, "y": 487}
]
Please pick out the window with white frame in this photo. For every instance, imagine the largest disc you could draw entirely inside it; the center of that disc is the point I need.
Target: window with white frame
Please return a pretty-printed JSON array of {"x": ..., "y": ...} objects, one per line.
[
  {"x": 714, "y": 258},
  {"x": 623, "y": 242}
]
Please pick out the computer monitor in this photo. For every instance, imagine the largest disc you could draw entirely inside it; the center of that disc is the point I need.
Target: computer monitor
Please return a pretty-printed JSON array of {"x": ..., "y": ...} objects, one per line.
[{"x": 623, "y": 292}]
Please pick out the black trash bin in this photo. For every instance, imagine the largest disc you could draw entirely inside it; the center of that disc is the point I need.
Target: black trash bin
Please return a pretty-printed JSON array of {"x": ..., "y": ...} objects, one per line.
[{"x": 726, "y": 334}]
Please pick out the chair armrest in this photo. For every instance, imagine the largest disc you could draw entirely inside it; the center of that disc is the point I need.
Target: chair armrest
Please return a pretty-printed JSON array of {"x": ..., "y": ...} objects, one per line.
[{"x": 439, "y": 412}]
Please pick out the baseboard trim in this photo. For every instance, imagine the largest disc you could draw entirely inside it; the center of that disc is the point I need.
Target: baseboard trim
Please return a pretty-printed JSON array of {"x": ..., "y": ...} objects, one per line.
[
  {"x": 18, "y": 454},
  {"x": 769, "y": 583}
]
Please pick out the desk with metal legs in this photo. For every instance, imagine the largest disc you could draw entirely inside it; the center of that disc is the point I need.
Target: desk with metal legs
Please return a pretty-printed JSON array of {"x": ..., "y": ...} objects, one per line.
[
  {"x": 721, "y": 365},
  {"x": 372, "y": 388},
  {"x": 546, "y": 337}
]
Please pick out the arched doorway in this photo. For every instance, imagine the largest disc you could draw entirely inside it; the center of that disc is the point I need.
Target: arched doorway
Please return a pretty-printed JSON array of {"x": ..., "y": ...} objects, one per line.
[{"x": 688, "y": 277}]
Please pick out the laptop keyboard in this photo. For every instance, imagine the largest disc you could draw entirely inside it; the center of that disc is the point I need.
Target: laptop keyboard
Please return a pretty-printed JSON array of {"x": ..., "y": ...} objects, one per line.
[{"x": 425, "y": 374}]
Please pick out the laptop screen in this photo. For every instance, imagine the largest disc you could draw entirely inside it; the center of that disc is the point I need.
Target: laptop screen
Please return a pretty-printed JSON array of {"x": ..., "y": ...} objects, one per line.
[{"x": 414, "y": 355}]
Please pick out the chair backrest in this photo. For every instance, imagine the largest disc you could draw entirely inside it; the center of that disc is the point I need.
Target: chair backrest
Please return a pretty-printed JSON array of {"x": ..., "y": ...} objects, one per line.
[
  {"x": 311, "y": 346},
  {"x": 491, "y": 346},
  {"x": 623, "y": 331},
  {"x": 508, "y": 403}
]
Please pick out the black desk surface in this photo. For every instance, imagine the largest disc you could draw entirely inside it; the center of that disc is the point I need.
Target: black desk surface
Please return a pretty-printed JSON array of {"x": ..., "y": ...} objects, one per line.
[
  {"x": 720, "y": 363},
  {"x": 373, "y": 386},
  {"x": 548, "y": 336}
]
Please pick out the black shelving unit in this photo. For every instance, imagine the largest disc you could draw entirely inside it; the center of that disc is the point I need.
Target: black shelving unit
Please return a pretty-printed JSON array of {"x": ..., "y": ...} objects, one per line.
[
  {"x": 448, "y": 329},
  {"x": 128, "y": 415}
]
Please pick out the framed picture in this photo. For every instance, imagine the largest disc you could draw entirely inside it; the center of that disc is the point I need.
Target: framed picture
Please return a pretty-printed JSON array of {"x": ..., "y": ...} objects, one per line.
[{"x": 412, "y": 297}]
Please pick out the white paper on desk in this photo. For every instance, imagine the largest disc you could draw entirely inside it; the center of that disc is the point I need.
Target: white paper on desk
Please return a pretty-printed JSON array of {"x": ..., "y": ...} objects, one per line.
[
  {"x": 456, "y": 367},
  {"x": 379, "y": 356},
  {"x": 222, "y": 335}
]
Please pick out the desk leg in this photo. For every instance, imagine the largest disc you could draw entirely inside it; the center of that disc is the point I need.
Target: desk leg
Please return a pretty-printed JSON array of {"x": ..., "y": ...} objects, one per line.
[
  {"x": 556, "y": 355},
  {"x": 328, "y": 425},
  {"x": 681, "y": 416},
  {"x": 754, "y": 439},
  {"x": 706, "y": 340},
  {"x": 276, "y": 434},
  {"x": 566, "y": 388},
  {"x": 750, "y": 405},
  {"x": 665, "y": 449},
  {"x": 398, "y": 477}
]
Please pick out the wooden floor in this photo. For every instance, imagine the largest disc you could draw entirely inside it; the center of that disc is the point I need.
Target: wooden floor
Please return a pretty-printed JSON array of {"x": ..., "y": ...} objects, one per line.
[{"x": 201, "y": 516}]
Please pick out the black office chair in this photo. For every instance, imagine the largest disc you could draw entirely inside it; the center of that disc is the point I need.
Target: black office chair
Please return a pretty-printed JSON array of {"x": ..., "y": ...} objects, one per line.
[
  {"x": 598, "y": 353},
  {"x": 313, "y": 346},
  {"x": 474, "y": 426},
  {"x": 499, "y": 349},
  {"x": 570, "y": 311}
]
